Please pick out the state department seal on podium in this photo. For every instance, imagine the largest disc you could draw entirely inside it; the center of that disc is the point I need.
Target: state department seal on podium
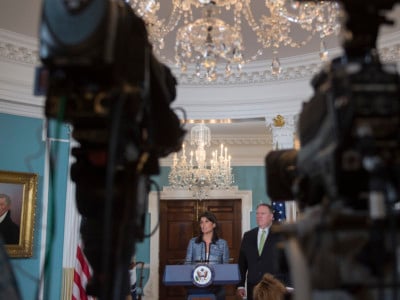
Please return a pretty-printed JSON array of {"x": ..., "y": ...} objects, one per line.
[{"x": 202, "y": 275}]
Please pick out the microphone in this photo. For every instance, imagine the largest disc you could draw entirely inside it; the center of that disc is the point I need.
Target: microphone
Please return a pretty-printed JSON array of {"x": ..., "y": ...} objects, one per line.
[{"x": 205, "y": 253}]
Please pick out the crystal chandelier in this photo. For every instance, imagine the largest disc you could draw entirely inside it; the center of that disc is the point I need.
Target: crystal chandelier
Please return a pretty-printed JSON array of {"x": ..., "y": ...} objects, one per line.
[
  {"x": 207, "y": 45},
  {"x": 194, "y": 173},
  {"x": 207, "y": 40}
]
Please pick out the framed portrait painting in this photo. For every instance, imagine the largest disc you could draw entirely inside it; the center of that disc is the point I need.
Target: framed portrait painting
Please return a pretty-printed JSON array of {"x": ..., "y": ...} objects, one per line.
[{"x": 18, "y": 192}]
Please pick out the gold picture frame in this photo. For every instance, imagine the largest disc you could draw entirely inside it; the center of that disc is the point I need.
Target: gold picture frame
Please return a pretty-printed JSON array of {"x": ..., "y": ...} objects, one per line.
[{"x": 21, "y": 188}]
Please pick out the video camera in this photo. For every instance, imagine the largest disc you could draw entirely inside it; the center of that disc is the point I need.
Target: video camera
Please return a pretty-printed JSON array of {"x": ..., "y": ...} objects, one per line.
[
  {"x": 103, "y": 78},
  {"x": 346, "y": 175}
]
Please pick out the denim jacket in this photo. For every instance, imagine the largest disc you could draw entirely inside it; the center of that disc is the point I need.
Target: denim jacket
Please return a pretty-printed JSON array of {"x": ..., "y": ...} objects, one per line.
[{"x": 219, "y": 252}]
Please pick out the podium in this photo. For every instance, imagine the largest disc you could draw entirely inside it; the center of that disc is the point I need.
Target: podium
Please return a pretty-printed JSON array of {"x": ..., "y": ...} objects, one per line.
[{"x": 201, "y": 277}]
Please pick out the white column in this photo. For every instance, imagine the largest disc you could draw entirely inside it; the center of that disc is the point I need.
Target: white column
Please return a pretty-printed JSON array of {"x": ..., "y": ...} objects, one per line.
[{"x": 283, "y": 131}]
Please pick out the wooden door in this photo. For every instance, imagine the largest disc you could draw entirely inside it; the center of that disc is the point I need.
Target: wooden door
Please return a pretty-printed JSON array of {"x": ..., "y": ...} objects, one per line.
[{"x": 179, "y": 224}]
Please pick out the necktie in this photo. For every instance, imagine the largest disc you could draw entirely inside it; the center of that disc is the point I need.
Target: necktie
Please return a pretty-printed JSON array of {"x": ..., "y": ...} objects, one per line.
[{"x": 262, "y": 242}]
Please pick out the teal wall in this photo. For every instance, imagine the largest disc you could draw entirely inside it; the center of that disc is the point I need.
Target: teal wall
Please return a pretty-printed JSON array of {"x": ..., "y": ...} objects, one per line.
[
  {"x": 252, "y": 178},
  {"x": 23, "y": 150}
]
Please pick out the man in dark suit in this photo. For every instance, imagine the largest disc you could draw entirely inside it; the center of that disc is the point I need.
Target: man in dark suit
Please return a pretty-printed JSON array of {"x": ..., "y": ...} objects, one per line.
[
  {"x": 8, "y": 229},
  {"x": 259, "y": 253}
]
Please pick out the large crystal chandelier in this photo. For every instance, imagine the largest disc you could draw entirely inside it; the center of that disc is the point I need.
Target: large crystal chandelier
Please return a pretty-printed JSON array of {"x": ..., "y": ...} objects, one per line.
[
  {"x": 194, "y": 172},
  {"x": 208, "y": 46},
  {"x": 206, "y": 41}
]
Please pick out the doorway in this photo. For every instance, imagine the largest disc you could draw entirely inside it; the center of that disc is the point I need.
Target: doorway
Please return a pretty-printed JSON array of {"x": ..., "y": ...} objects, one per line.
[
  {"x": 151, "y": 288},
  {"x": 179, "y": 223}
]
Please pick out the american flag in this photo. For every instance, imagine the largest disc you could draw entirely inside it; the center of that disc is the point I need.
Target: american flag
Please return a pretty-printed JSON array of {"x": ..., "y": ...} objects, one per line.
[
  {"x": 132, "y": 273},
  {"x": 279, "y": 211},
  {"x": 82, "y": 274}
]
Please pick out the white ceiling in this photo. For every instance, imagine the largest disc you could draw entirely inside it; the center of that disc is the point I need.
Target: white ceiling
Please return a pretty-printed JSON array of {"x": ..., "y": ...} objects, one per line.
[{"x": 21, "y": 16}]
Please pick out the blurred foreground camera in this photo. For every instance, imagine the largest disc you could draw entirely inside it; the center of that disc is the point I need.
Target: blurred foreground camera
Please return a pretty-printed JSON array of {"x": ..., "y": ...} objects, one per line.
[
  {"x": 346, "y": 175},
  {"x": 349, "y": 137},
  {"x": 349, "y": 129},
  {"x": 103, "y": 78}
]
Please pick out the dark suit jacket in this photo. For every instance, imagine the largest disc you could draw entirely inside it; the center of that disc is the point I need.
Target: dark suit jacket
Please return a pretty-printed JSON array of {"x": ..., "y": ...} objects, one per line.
[
  {"x": 9, "y": 230},
  {"x": 257, "y": 265}
]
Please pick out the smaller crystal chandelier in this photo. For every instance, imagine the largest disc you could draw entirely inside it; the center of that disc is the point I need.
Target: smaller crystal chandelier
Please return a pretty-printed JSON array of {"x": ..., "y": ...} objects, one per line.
[{"x": 198, "y": 176}]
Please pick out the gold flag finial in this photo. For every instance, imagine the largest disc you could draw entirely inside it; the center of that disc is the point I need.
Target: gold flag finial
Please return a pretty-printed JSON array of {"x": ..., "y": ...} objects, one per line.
[{"x": 279, "y": 121}]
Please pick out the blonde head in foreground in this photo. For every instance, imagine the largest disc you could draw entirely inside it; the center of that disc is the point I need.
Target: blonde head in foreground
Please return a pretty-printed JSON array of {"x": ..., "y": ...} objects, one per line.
[{"x": 269, "y": 288}]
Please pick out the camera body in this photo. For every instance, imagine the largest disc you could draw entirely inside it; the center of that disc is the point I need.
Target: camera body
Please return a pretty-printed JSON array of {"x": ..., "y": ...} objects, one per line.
[
  {"x": 350, "y": 122},
  {"x": 346, "y": 175},
  {"x": 349, "y": 133},
  {"x": 103, "y": 78}
]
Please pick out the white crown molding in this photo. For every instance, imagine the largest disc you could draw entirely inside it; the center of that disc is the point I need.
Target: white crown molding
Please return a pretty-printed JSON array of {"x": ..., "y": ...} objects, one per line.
[
  {"x": 240, "y": 140},
  {"x": 259, "y": 139},
  {"x": 24, "y": 49},
  {"x": 18, "y": 59},
  {"x": 259, "y": 73},
  {"x": 295, "y": 67},
  {"x": 254, "y": 94},
  {"x": 246, "y": 101},
  {"x": 18, "y": 48}
]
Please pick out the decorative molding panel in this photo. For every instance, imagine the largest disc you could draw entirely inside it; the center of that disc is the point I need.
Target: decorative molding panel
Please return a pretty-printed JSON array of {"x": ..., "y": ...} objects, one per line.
[
  {"x": 297, "y": 67},
  {"x": 18, "y": 48},
  {"x": 256, "y": 93},
  {"x": 18, "y": 59},
  {"x": 18, "y": 54}
]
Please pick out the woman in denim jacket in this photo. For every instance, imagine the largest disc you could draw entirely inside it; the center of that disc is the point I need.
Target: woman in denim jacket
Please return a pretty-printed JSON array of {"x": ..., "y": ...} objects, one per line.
[{"x": 208, "y": 248}]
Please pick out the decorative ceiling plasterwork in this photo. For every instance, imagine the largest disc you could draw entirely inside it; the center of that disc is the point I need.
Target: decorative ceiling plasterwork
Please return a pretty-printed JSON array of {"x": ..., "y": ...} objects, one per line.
[
  {"x": 18, "y": 48},
  {"x": 297, "y": 67},
  {"x": 240, "y": 140},
  {"x": 23, "y": 49},
  {"x": 255, "y": 77},
  {"x": 18, "y": 54},
  {"x": 255, "y": 95}
]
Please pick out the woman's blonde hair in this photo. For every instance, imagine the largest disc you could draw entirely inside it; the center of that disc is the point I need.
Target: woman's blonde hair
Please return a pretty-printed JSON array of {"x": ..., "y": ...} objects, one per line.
[{"x": 269, "y": 288}]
